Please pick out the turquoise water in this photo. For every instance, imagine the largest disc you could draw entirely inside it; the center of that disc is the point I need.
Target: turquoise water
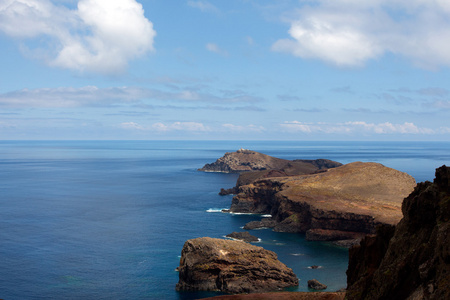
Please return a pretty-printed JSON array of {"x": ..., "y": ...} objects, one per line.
[{"x": 102, "y": 220}]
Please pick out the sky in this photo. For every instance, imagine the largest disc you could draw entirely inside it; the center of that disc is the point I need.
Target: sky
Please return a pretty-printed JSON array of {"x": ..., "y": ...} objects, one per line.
[{"x": 225, "y": 70}]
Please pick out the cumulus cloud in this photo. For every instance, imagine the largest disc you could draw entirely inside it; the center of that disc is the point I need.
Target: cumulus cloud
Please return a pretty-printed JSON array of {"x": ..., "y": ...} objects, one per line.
[
  {"x": 351, "y": 32},
  {"x": 355, "y": 127},
  {"x": 99, "y": 36}
]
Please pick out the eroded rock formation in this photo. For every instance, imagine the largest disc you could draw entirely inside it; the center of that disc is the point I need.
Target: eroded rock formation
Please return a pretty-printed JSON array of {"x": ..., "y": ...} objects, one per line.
[
  {"x": 231, "y": 266},
  {"x": 343, "y": 203},
  {"x": 412, "y": 259}
]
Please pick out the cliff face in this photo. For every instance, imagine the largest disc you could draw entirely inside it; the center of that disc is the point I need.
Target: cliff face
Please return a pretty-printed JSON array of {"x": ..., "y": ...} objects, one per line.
[
  {"x": 342, "y": 203},
  {"x": 412, "y": 260},
  {"x": 231, "y": 266}
]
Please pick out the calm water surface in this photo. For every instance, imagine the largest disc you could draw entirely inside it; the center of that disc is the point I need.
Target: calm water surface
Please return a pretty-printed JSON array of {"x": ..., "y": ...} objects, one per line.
[{"x": 102, "y": 220}]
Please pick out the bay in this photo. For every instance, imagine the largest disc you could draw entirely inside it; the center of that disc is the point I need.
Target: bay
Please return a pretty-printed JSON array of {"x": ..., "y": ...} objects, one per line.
[{"x": 108, "y": 219}]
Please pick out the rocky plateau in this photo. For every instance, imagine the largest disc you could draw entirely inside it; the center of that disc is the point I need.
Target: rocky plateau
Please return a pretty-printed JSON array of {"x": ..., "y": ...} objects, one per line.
[{"x": 343, "y": 203}]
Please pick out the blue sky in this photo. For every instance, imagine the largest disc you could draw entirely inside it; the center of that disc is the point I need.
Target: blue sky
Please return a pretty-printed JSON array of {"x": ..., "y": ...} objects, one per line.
[{"x": 235, "y": 69}]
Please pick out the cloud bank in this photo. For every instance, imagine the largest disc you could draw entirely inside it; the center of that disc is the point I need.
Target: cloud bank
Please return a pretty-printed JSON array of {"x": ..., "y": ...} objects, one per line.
[
  {"x": 351, "y": 32},
  {"x": 99, "y": 36},
  {"x": 355, "y": 128},
  {"x": 89, "y": 96}
]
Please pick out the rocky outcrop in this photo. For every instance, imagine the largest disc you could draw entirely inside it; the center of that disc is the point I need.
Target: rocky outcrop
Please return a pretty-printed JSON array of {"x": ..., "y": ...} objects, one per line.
[
  {"x": 342, "y": 203},
  {"x": 412, "y": 259},
  {"x": 245, "y": 160},
  {"x": 243, "y": 236},
  {"x": 316, "y": 285},
  {"x": 264, "y": 223},
  {"x": 232, "y": 267}
]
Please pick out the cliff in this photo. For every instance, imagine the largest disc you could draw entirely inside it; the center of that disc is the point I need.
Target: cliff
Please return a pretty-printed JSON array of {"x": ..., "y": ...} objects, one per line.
[
  {"x": 246, "y": 160},
  {"x": 412, "y": 259},
  {"x": 232, "y": 267},
  {"x": 343, "y": 203}
]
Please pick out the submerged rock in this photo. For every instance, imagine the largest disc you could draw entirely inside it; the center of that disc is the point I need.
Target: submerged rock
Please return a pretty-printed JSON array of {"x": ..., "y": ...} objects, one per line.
[
  {"x": 410, "y": 260},
  {"x": 209, "y": 264}
]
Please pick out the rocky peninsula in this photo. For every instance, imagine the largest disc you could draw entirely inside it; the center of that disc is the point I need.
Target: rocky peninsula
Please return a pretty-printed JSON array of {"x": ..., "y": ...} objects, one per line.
[
  {"x": 343, "y": 203},
  {"x": 228, "y": 266},
  {"x": 253, "y": 165}
]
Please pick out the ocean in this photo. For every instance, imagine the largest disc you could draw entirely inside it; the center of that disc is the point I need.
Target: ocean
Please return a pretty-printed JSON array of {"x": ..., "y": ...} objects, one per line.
[{"x": 108, "y": 219}]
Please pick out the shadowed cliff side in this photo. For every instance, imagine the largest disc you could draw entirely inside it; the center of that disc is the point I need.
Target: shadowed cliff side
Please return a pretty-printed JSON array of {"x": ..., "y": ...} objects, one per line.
[{"x": 412, "y": 259}]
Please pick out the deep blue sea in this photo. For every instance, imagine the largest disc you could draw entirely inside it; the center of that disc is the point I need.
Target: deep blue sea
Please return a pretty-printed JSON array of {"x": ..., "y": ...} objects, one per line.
[{"x": 108, "y": 219}]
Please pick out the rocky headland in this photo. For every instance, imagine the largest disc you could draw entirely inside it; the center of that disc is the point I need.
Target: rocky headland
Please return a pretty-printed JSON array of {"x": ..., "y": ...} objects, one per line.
[
  {"x": 410, "y": 260},
  {"x": 253, "y": 165},
  {"x": 343, "y": 203},
  {"x": 228, "y": 266}
]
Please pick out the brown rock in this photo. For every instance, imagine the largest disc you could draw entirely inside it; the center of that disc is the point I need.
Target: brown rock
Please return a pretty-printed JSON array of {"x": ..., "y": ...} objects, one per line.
[
  {"x": 346, "y": 200},
  {"x": 231, "y": 266},
  {"x": 264, "y": 223},
  {"x": 243, "y": 236},
  {"x": 316, "y": 285},
  {"x": 245, "y": 160},
  {"x": 411, "y": 261}
]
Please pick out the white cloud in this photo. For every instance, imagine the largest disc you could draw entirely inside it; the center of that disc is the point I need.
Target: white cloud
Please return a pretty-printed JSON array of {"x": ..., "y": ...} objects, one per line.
[
  {"x": 355, "y": 128},
  {"x": 94, "y": 96},
  {"x": 72, "y": 97},
  {"x": 100, "y": 36},
  {"x": 181, "y": 126},
  {"x": 351, "y": 32},
  {"x": 442, "y": 104},
  {"x": 240, "y": 128},
  {"x": 159, "y": 127},
  {"x": 204, "y": 6},
  {"x": 216, "y": 49},
  {"x": 131, "y": 125}
]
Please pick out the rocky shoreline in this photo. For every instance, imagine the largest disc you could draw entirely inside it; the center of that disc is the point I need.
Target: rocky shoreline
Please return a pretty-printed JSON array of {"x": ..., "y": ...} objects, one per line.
[{"x": 345, "y": 204}]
